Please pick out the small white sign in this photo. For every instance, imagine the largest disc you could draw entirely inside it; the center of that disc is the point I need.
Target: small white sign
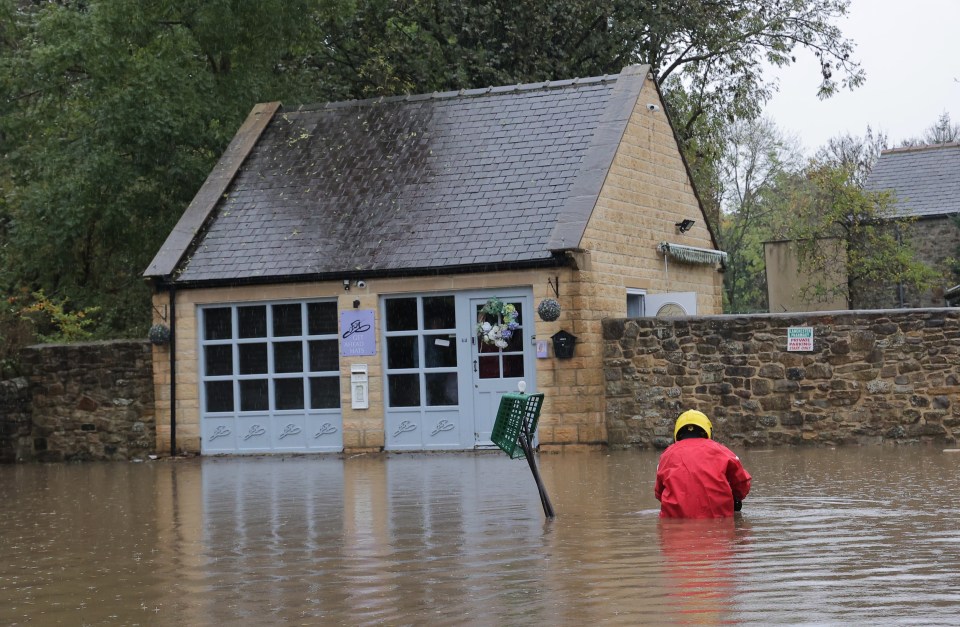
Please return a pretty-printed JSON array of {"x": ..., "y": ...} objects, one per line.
[
  {"x": 541, "y": 349},
  {"x": 799, "y": 339}
]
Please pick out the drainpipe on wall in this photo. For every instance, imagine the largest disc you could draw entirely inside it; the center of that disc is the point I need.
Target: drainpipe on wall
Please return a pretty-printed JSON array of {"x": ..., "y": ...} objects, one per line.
[
  {"x": 901, "y": 296},
  {"x": 173, "y": 371}
]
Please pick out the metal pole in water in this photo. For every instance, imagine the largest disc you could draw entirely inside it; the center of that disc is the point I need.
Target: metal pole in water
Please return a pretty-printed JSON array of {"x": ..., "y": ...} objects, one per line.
[{"x": 525, "y": 444}]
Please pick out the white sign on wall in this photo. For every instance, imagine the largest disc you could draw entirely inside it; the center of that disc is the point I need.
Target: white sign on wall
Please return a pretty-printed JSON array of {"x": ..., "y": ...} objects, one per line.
[{"x": 799, "y": 338}]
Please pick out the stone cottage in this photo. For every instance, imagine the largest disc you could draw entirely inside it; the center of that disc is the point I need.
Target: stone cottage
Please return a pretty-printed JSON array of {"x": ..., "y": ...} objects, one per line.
[
  {"x": 327, "y": 287},
  {"x": 924, "y": 182}
]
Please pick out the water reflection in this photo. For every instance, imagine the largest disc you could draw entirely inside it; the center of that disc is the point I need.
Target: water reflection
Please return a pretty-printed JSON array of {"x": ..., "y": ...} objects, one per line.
[{"x": 826, "y": 537}]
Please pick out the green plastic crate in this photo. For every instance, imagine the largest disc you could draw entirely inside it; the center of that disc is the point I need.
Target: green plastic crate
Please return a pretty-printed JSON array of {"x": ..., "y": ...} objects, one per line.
[{"x": 515, "y": 409}]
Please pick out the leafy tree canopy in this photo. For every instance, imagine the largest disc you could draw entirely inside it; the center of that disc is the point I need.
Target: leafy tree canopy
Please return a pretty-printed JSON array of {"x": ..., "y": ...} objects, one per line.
[{"x": 113, "y": 112}]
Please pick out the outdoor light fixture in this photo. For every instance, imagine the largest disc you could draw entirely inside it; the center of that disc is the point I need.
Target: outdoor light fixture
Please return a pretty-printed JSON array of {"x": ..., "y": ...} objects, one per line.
[
  {"x": 346, "y": 285},
  {"x": 685, "y": 225}
]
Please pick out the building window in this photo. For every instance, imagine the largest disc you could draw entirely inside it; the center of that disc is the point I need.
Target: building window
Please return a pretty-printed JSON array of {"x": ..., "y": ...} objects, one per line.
[
  {"x": 421, "y": 351},
  {"x": 635, "y": 304},
  {"x": 270, "y": 357}
]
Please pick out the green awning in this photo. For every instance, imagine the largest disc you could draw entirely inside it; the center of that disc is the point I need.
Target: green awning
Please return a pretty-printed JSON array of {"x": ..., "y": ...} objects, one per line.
[{"x": 692, "y": 254}]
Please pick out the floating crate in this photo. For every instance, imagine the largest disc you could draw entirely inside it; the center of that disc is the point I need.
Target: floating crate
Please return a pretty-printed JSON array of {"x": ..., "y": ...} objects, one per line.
[{"x": 515, "y": 410}]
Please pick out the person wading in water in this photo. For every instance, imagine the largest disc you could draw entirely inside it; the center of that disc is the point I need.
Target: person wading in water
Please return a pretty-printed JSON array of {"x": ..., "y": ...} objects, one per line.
[{"x": 697, "y": 477}]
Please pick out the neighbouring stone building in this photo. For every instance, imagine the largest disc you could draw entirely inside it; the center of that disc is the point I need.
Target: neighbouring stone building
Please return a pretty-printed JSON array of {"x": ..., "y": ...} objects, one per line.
[
  {"x": 925, "y": 184},
  {"x": 873, "y": 376}
]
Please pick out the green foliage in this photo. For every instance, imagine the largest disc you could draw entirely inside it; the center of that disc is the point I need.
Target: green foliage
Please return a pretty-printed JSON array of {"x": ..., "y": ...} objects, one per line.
[
  {"x": 825, "y": 205},
  {"x": 114, "y": 112},
  {"x": 55, "y": 321}
]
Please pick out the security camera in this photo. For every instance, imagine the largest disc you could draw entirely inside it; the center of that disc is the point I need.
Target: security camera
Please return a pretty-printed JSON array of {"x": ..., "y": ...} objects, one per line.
[
  {"x": 652, "y": 107},
  {"x": 361, "y": 284}
]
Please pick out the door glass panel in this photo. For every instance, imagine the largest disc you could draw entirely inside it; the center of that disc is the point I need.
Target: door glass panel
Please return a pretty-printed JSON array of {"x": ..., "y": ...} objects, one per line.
[
  {"x": 515, "y": 343},
  {"x": 219, "y": 360},
  {"x": 288, "y": 357},
  {"x": 253, "y": 395},
  {"x": 404, "y": 390},
  {"x": 252, "y": 321},
  {"x": 219, "y": 395},
  {"x": 217, "y": 324},
  {"x": 401, "y": 314},
  {"x": 286, "y": 320},
  {"x": 490, "y": 366},
  {"x": 324, "y": 356},
  {"x": 402, "y": 352},
  {"x": 288, "y": 393},
  {"x": 439, "y": 351},
  {"x": 324, "y": 392},
  {"x": 253, "y": 358},
  {"x": 439, "y": 312},
  {"x": 483, "y": 347},
  {"x": 442, "y": 389},
  {"x": 512, "y": 366}
]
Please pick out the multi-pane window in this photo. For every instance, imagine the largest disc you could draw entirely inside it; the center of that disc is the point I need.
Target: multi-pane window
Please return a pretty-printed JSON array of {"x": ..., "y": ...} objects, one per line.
[
  {"x": 270, "y": 357},
  {"x": 505, "y": 363},
  {"x": 421, "y": 351}
]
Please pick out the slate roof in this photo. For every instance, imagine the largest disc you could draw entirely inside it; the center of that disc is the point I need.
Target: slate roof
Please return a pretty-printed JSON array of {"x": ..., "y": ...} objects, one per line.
[
  {"x": 410, "y": 185},
  {"x": 925, "y": 179}
]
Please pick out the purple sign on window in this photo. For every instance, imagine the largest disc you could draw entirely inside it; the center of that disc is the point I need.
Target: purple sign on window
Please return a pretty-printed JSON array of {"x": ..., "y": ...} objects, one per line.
[{"x": 356, "y": 333}]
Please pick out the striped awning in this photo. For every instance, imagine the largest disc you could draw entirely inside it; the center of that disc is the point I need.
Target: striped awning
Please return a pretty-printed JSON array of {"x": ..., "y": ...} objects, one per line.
[{"x": 692, "y": 254}]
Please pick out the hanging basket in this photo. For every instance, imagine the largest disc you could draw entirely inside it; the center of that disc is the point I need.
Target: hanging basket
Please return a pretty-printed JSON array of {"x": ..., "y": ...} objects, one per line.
[
  {"x": 159, "y": 334},
  {"x": 548, "y": 309}
]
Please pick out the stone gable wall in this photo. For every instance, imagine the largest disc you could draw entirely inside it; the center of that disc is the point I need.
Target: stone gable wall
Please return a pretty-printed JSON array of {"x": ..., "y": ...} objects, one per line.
[
  {"x": 873, "y": 377},
  {"x": 86, "y": 401}
]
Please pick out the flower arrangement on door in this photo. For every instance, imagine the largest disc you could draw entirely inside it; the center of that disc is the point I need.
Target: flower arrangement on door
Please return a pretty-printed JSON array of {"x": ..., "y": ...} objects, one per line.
[{"x": 497, "y": 333}]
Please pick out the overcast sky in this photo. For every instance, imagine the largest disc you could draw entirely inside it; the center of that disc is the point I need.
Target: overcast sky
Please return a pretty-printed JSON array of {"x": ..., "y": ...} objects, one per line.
[{"x": 910, "y": 50}]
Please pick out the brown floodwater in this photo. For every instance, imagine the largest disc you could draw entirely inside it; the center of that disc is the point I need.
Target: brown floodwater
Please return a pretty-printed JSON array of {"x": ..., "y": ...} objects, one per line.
[{"x": 827, "y": 536}]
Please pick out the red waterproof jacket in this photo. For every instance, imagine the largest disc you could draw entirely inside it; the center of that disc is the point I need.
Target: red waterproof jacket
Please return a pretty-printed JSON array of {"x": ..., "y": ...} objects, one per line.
[{"x": 699, "y": 478}]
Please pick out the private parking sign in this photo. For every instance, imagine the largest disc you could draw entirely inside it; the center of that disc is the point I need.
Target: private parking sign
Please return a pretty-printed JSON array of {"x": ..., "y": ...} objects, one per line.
[{"x": 799, "y": 338}]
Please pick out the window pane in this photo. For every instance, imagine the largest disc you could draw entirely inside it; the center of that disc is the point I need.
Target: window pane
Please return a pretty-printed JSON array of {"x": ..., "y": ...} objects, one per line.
[
  {"x": 402, "y": 352},
  {"x": 321, "y": 318},
  {"x": 439, "y": 312},
  {"x": 512, "y": 366},
  {"x": 253, "y": 395},
  {"x": 219, "y": 395},
  {"x": 217, "y": 324},
  {"x": 288, "y": 357},
  {"x": 252, "y": 321},
  {"x": 440, "y": 351},
  {"x": 288, "y": 393},
  {"x": 442, "y": 388},
  {"x": 286, "y": 320},
  {"x": 634, "y": 305},
  {"x": 324, "y": 356},
  {"x": 324, "y": 392},
  {"x": 401, "y": 314},
  {"x": 253, "y": 358},
  {"x": 219, "y": 360},
  {"x": 515, "y": 343},
  {"x": 490, "y": 367},
  {"x": 404, "y": 390}
]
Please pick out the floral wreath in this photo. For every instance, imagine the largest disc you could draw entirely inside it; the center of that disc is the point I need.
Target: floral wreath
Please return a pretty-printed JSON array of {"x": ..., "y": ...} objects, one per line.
[{"x": 497, "y": 334}]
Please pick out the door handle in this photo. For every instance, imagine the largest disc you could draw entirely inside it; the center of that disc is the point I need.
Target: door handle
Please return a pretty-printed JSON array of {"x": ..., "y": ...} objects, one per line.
[{"x": 474, "y": 365}]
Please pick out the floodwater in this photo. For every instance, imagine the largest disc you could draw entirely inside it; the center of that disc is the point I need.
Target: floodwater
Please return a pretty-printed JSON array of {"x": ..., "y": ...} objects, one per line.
[{"x": 827, "y": 537}]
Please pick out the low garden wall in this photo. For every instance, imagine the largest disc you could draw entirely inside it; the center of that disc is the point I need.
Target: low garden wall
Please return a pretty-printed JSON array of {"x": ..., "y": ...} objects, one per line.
[
  {"x": 871, "y": 377},
  {"x": 89, "y": 401}
]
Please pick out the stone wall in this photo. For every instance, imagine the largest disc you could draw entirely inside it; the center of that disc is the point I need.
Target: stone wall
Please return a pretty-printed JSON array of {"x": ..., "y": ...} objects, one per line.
[
  {"x": 872, "y": 377},
  {"x": 89, "y": 401},
  {"x": 15, "y": 424},
  {"x": 933, "y": 239}
]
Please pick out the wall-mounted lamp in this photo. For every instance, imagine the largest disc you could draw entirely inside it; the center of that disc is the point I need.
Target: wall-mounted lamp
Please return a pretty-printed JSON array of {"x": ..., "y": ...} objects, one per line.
[
  {"x": 685, "y": 225},
  {"x": 346, "y": 285}
]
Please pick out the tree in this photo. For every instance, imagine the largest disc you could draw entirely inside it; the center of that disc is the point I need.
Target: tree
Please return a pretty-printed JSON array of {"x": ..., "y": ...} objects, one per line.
[
  {"x": 117, "y": 110},
  {"x": 824, "y": 205},
  {"x": 856, "y": 155},
  {"x": 756, "y": 159},
  {"x": 943, "y": 131}
]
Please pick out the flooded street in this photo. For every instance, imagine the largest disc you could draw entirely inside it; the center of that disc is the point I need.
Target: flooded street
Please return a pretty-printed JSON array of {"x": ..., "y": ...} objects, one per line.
[{"x": 845, "y": 536}]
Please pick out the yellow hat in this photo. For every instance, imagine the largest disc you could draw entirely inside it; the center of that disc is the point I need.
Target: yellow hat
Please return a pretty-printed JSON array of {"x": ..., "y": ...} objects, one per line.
[{"x": 693, "y": 417}]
